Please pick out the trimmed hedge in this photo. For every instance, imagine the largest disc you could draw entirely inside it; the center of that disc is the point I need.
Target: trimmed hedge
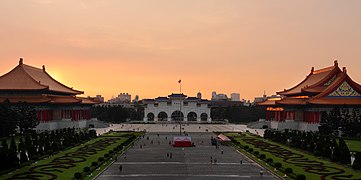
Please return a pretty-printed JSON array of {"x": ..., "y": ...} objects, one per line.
[
  {"x": 77, "y": 175},
  {"x": 269, "y": 160},
  {"x": 300, "y": 177},
  {"x": 94, "y": 163},
  {"x": 86, "y": 169},
  {"x": 278, "y": 165},
  {"x": 288, "y": 170},
  {"x": 262, "y": 156}
]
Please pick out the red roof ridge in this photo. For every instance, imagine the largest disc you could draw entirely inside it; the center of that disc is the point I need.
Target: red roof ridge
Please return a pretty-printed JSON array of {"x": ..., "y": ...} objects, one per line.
[
  {"x": 28, "y": 68},
  {"x": 323, "y": 70}
]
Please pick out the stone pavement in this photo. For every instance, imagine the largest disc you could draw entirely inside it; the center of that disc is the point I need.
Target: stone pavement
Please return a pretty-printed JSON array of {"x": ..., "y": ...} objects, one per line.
[
  {"x": 185, "y": 127},
  {"x": 148, "y": 160}
]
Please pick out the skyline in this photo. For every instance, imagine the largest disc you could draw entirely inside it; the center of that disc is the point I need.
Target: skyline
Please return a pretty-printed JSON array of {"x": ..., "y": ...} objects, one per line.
[{"x": 144, "y": 48}]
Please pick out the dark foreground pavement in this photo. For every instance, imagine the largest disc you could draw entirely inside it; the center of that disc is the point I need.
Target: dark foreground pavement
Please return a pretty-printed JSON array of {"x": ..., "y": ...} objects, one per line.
[{"x": 151, "y": 162}]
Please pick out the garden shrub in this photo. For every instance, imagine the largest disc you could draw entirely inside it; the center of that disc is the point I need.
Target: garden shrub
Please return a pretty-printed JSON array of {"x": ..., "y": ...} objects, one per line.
[
  {"x": 77, "y": 175},
  {"x": 288, "y": 170},
  {"x": 246, "y": 147},
  {"x": 300, "y": 177},
  {"x": 250, "y": 149},
  {"x": 356, "y": 166},
  {"x": 100, "y": 159},
  {"x": 256, "y": 153},
  {"x": 86, "y": 169},
  {"x": 269, "y": 160},
  {"x": 278, "y": 165},
  {"x": 94, "y": 163},
  {"x": 106, "y": 155},
  {"x": 262, "y": 156},
  {"x": 111, "y": 152}
]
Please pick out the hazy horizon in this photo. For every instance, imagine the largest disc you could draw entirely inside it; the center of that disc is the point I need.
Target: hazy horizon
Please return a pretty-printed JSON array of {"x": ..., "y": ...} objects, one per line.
[{"x": 144, "y": 47}]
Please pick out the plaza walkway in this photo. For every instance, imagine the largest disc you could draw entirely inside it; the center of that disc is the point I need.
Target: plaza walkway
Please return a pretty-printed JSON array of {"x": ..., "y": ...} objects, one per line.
[
  {"x": 185, "y": 127},
  {"x": 148, "y": 159}
]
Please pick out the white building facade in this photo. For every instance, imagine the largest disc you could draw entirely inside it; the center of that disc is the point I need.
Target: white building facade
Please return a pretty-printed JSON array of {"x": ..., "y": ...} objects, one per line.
[
  {"x": 175, "y": 108},
  {"x": 235, "y": 97}
]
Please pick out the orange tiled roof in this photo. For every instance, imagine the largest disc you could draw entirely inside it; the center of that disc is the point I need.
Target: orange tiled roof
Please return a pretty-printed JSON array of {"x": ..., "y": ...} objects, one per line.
[
  {"x": 314, "y": 79},
  {"x": 25, "y": 77},
  {"x": 323, "y": 97},
  {"x": 267, "y": 103},
  {"x": 292, "y": 101},
  {"x": 27, "y": 99},
  {"x": 88, "y": 100},
  {"x": 64, "y": 100}
]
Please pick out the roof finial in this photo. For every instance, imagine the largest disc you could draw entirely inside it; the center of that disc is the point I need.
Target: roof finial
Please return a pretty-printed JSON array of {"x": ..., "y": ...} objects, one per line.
[
  {"x": 312, "y": 69},
  {"x": 44, "y": 68},
  {"x": 344, "y": 70},
  {"x": 336, "y": 63},
  {"x": 21, "y": 61}
]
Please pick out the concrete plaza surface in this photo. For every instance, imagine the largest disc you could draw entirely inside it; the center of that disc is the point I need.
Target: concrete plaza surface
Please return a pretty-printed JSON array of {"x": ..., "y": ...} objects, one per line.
[
  {"x": 174, "y": 127},
  {"x": 153, "y": 158}
]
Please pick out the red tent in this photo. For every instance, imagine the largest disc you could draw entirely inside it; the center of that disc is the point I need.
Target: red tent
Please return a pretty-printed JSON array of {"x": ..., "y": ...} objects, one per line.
[
  {"x": 223, "y": 139},
  {"x": 182, "y": 141}
]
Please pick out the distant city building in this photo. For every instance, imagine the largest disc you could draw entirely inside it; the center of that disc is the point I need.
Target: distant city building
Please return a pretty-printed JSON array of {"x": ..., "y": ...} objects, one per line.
[
  {"x": 199, "y": 95},
  {"x": 265, "y": 97},
  {"x": 219, "y": 97},
  {"x": 235, "y": 97},
  {"x": 177, "y": 107},
  {"x": 136, "y": 99},
  {"x": 99, "y": 98},
  {"x": 122, "y": 98}
]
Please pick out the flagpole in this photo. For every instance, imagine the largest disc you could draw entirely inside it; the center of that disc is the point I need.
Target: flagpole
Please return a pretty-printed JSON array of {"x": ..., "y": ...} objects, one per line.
[{"x": 180, "y": 106}]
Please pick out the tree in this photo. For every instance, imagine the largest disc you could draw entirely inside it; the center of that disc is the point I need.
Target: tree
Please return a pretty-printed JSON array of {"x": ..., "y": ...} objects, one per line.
[
  {"x": 22, "y": 149},
  {"x": 7, "y": 120},
  {"x": 27, "y": 118},
  {"x": 13, "y": 155},
  {"x": 325, "y": 127},
  {"x": 4, "y": 155},
  {"x": 345, "y": 156},
  {"x": 335, "y": 150}
]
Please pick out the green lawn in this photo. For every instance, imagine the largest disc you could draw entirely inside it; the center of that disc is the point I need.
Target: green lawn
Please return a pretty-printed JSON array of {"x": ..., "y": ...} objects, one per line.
[
  {"x": 64, "y": 164},
  {"x": 300, "y": 162},
  {"x": 354, "y": 145}
]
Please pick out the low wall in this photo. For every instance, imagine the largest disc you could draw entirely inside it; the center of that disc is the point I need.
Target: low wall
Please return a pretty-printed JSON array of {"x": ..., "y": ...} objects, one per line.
[
  {"x": 65, "y": 123},
  {"x": 291, "y": 124}
]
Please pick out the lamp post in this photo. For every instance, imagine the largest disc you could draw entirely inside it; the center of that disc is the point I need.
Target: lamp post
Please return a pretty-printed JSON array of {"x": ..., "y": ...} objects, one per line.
[
  {"x": 332, "y": 148},
  {"x": 352, "y": 157}
]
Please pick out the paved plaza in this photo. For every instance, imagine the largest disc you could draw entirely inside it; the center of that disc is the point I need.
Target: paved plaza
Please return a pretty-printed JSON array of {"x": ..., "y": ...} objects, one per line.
[
  {"x": 153, "y": 158},
  {"x": 185, "y": 127}
]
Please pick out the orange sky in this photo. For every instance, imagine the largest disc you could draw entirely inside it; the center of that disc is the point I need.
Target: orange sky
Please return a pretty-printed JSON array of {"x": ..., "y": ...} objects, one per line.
[{"x": 145, "y": 46}]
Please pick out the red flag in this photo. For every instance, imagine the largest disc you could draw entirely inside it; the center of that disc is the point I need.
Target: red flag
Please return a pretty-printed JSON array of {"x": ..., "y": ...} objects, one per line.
[{"x": 180, "y": 81}]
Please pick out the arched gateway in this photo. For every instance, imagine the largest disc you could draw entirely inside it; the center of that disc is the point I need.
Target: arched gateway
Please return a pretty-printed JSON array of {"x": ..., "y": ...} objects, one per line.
[{"x": 177, "y": 107}]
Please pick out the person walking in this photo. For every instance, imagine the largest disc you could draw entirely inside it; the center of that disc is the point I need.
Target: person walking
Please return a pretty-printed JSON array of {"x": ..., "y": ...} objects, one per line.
[
  {"x": 120, "y": 168},
  {"x": 261, "y": 172}
]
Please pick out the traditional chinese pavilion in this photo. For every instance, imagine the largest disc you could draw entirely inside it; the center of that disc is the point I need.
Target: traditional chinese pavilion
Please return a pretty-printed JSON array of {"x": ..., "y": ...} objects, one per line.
[
  {"x": 301, "y": 106},
  {"x": 57, "y": 105}
]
